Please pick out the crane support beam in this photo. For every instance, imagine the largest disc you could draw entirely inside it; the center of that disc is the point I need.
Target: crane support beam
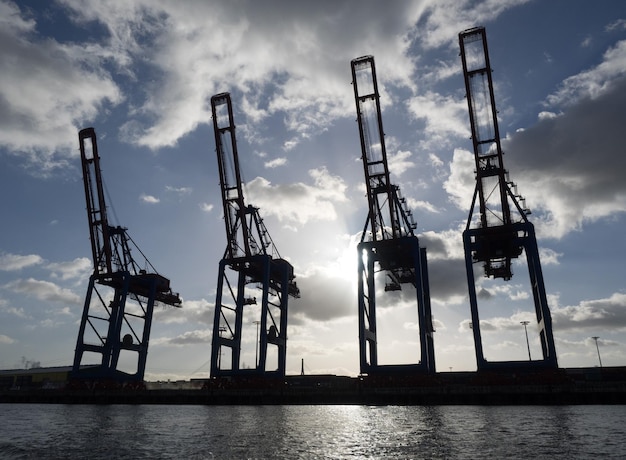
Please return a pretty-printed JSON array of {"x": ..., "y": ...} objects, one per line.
[
  {"x": 252, "y": 275},
  {"x": 501, "y": 232},
  {"x": 114, "y": 331},
  {"x": 388, "y": 245},
  {"x": 411, "y": 259}
]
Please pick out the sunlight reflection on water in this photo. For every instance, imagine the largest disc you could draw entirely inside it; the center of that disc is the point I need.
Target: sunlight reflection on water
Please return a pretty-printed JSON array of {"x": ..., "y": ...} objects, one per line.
[{"x": 311, "y": 432}]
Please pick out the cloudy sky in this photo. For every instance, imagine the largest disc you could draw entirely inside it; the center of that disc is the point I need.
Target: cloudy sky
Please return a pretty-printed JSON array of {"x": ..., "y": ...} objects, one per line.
[{"x": 142, "y": 73}]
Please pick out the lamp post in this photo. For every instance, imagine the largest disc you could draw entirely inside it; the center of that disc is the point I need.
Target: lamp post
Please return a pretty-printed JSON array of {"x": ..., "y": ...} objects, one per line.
[
  {"x": 219, "y": 357},
  {"x": 256, "y": 345},
  {"x": 525, "y": 323},
  {"x": 598, "y": 349}
]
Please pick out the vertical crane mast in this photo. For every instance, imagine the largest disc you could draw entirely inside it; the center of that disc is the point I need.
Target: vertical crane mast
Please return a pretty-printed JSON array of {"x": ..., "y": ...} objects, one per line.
[
  {"x": 383, "y": 217},
  {"x": 502, "y": 231},
  {"x": 117, "y": 315},
  {"x": 388, "y": 243},
  {"x": 251, "y": 269},
  {"x": 96, "y": 206},
  {"x": 237, "y": 229}
]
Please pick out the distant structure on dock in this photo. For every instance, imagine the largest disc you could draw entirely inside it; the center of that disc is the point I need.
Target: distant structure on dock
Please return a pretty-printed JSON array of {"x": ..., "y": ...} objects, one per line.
[
  {"x": 388, "y": 246},
  {"x": 501, "y": 232},
  {"x": 252, "y": 275},
  {"x": 117, "y": 315}
]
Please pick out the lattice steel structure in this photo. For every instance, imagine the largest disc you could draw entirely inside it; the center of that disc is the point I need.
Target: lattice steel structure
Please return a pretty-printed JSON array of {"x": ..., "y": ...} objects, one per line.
[
  {"x": 501, "y": 232},
  {"x": 388, "y": 244},
  {"x": 118, "y": 309},
  {"x": 251, "y": 270}
]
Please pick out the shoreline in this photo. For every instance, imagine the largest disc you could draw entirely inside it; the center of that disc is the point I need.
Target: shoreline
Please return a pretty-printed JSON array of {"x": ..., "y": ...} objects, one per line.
[
  {"x": 505, "y": 387},
  {"x": 516, "y": 395}
]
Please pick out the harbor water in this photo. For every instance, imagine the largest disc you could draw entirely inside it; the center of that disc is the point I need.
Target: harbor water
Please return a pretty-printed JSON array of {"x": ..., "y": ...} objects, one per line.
[{"x": 56, "y": 431}]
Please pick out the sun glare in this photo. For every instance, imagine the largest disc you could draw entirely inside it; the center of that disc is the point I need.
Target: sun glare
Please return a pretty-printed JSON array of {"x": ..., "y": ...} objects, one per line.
[{"x": 344, "y": 266}]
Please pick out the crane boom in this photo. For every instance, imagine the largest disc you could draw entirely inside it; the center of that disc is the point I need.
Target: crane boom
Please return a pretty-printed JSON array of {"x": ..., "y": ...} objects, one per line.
[
  {"x": 388, "y": 216},
  {"x": 96, "y": 206},
  {"x": 237, "y": 230}
]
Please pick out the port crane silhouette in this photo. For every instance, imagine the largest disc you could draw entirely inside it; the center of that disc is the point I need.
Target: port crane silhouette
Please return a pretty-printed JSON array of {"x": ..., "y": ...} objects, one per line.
[
  {"x": 501, "y": 232},
  {"x": 388, "y": 244},
  {"x": 251, "y": 271},
  {"x": 121, "y": 295}
]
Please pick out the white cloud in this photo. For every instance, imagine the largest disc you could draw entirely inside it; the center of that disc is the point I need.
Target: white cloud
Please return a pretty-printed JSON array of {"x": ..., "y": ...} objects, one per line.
[
  {"x": 200, "y": 48},
  {"x": 10, "y": 18},
  {"x": 619, "y": 24},
  {"x": 19, "y": 312},
  {"x": 324, "y": 296},
  {"x": 446, "y": 266},
  {"x": 193, "y": 311},
  {"x": 202, "y": 336},
  {"x": 178, "y": 190},
  {"x": 78, "y": 268},
  {"x": 569, "y": 167},
  {"x": 435, "y": 160},
  {"x": 149, "y": 199},
  {"x": 43, "y": 290},
  {"x": 545, "y": 115},
  {"x": 444, "y": 116},
  {"x": 549, "y": 256},
  {"x": 276, "y": 162},
  {"x": 299, "y": 202},
  {"x": 446, "y": 18},
  {"x": 193, "y": 50},
  {"x": 5, "y": 339},
  {"x": 511, "y": 323},
  {"x": 447, "y": 244},
  {"x": 290, "y": 144},
  {"x": 46, "y": 87},
  {"x": 14, "y": 262},
  {"x": 400, "y": 162},
  {"x": 594, "y": 82},
  {"x": 206, "y": 207},
  {"x": 608, "y": 314},
  {"x": 461, "y": 182},
  {"x": 424, "y": 205}
]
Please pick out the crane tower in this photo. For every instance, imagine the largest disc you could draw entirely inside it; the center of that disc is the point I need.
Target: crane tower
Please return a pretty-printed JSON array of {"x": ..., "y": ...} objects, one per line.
[
  {"x": 388, "y": 245},
  {"x": 117, "y": 314},
  {"x": 501, "y": 232},
  {"x": 251, "y": 271}
]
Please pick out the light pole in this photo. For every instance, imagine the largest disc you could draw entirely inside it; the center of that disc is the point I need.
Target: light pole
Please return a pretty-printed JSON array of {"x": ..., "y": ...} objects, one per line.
[
  {"x": 526, "y": 323},
  {"x": 219, "y": 357},
  {"x": 598, "y": 348},
  {"x": 256, "y": 345}
]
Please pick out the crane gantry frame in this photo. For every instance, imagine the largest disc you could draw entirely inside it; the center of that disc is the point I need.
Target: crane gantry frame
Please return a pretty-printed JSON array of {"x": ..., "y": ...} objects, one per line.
[
  {"x": 495, "y": 238},
  {"x": 388, "y": 243},
  {"x": 118, "y": 309},
  {"x": 250, "y": 271}
]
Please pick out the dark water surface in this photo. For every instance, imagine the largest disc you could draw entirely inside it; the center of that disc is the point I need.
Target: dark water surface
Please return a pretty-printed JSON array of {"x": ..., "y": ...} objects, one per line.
[{"x": 311, "y": 432}]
